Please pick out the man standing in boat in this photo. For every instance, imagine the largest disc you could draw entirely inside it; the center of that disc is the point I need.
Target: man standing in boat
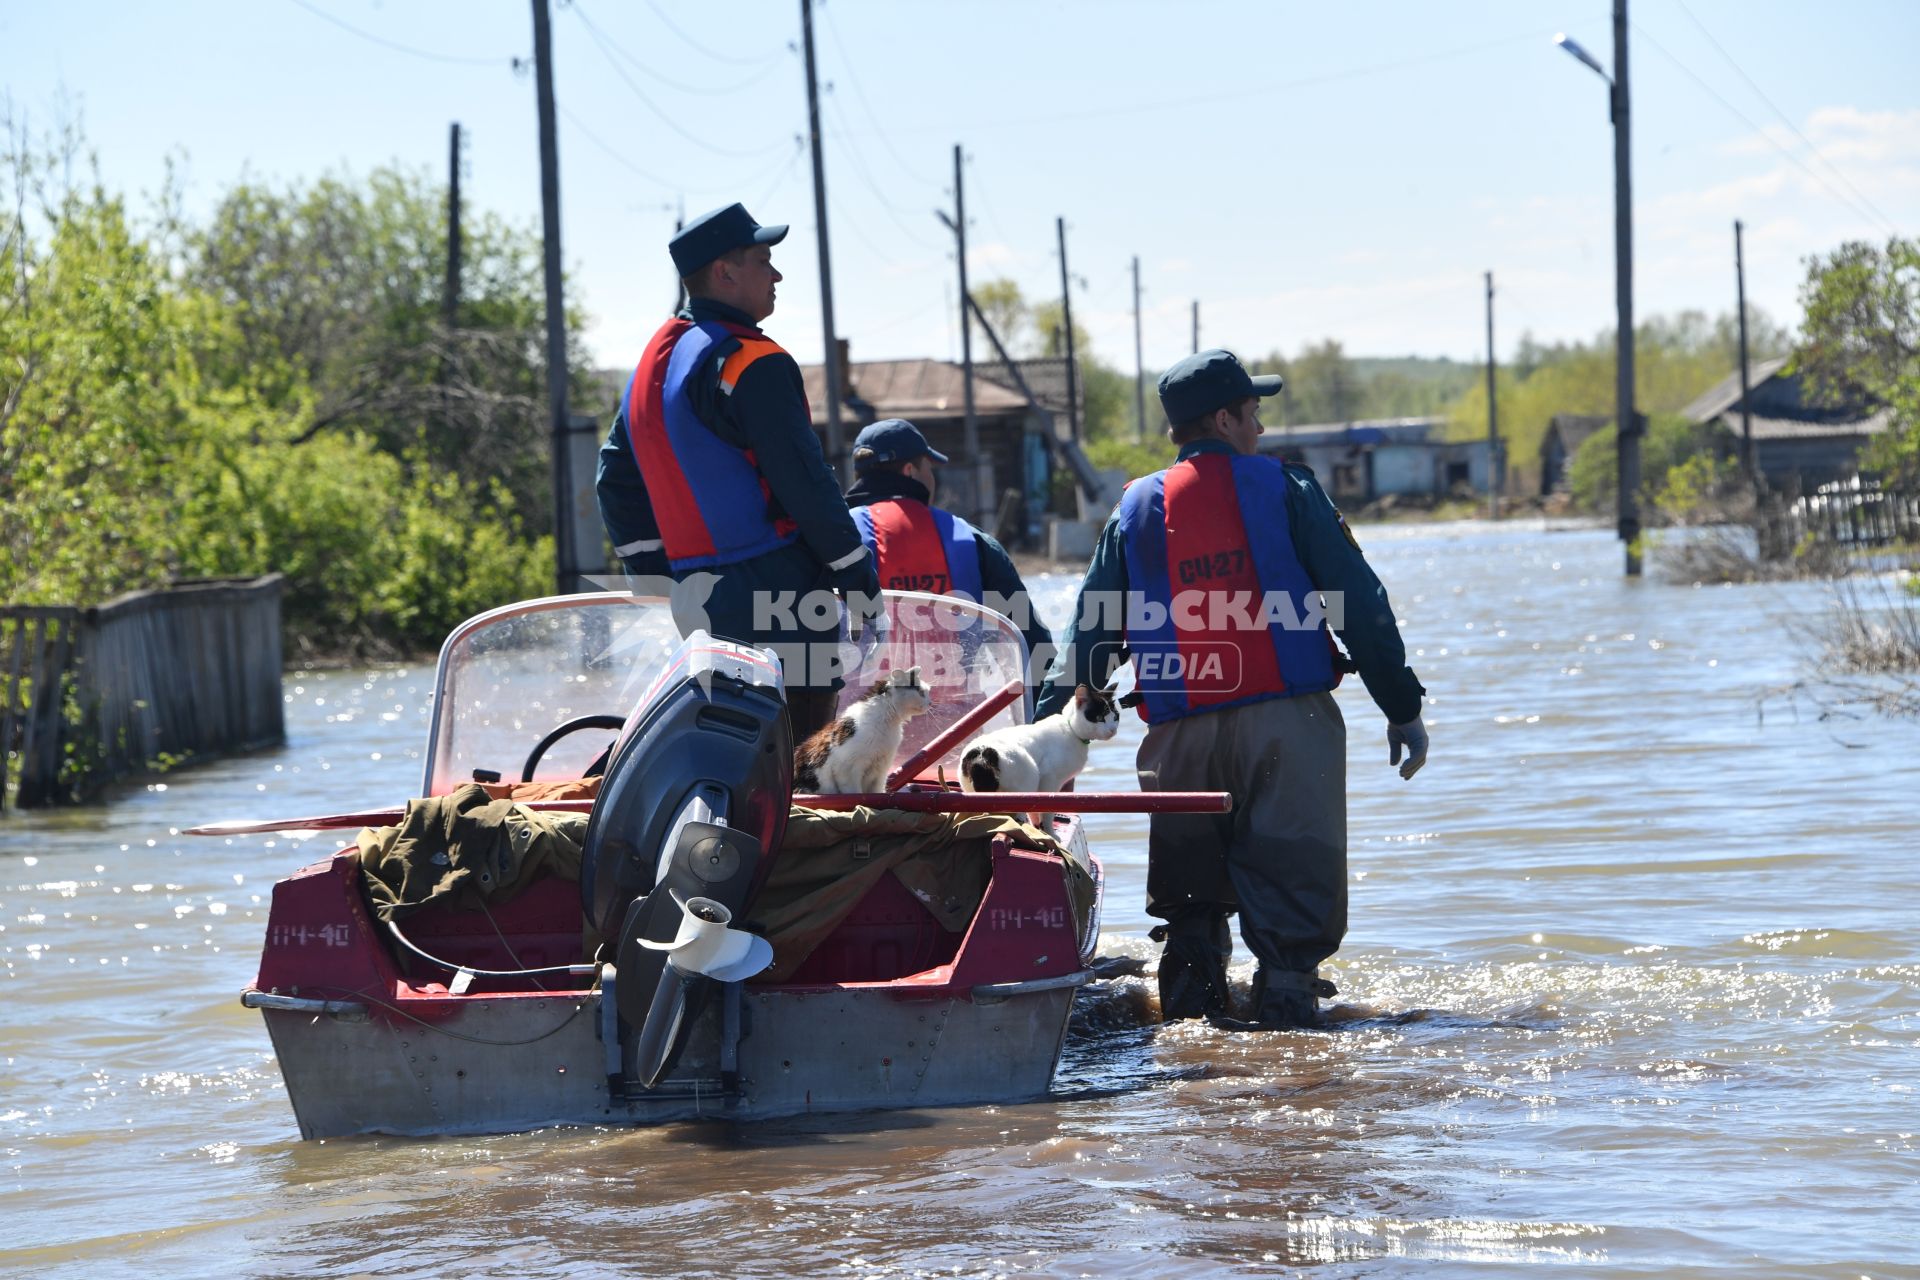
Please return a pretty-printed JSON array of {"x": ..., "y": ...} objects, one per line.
[
  {"x": 712, "y": 467},
  {"x": 1219, "y": 578},
  {"x": 917, "y": 546}
]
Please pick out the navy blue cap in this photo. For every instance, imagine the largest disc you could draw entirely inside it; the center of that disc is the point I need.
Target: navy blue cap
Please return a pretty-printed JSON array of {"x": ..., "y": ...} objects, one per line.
[
  {"x": 1209, "y": 380},
  {"x": 712, "y": 234},
  {"x": 889, "y": 441}
]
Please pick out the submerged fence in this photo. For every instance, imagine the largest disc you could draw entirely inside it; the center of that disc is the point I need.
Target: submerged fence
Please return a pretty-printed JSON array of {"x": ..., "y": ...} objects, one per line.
[
  {"x": 1847, "y": 514},
  {"x": 140, "y": 682}
]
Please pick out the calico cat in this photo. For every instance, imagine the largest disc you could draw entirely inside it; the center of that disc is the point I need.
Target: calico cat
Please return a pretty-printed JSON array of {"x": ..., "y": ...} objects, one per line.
[
  {"x": 854, "y": 754},
  {"x": 1044, "y": 755}
]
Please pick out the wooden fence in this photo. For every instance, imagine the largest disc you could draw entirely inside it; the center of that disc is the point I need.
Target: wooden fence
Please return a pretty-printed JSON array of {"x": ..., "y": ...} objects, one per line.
[
  {"x": 1867, "y": 516},
  {"x": 143, "y": 681}
]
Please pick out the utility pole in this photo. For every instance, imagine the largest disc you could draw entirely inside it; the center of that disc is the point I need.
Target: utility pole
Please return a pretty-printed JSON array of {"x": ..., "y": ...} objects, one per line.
[
  {"x": 1066, "y": 322},
  {"x": 834, "y": 448},
  {"x": 452, "y": 301},
  {"x": 1196, "y": 326},
  {"x": 970, "y": 437},
  {"x": 1495, "y": 465},
  {"x": 1746, "y": 414},
  {"x": 1630, "y": 425},
  {"x": 1139, "y": 365},
  {"x": 563, "y": 550}
]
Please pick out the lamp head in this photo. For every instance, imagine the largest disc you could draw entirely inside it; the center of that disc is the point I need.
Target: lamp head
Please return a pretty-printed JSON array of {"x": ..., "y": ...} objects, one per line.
[{"x": 1572, "y": 46}]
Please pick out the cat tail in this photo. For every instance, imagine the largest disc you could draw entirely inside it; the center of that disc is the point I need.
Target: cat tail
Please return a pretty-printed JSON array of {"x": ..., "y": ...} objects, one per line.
[{"x": 982, "y": 767}]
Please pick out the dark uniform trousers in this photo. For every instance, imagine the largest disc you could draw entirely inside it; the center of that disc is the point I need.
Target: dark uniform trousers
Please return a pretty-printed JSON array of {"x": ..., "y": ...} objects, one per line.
[{"x": 1280, "y": 856}]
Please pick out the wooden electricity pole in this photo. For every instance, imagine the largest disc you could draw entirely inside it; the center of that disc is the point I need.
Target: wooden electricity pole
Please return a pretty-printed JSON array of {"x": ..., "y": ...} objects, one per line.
[
  {"x": 832, "y": 354},
  {"x": 1066, "y": 323},
  {"x": 1495, "y": 465},
  {"x": 451, "y": 303},
  {"x": 1139, "y": 364},
  {"x": 563, "y": 550}
]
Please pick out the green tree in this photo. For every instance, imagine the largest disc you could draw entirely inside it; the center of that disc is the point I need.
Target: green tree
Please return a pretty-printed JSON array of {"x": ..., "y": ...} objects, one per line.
[
  {"x": 1861, "y": 339},
  {"x": 145, "y": 434},
  {"x": 338, "y": 285}
]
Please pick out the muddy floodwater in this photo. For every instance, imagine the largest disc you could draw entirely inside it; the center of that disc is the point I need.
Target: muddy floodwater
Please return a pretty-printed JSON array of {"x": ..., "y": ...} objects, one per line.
[{"x": 1631, "y": 989}]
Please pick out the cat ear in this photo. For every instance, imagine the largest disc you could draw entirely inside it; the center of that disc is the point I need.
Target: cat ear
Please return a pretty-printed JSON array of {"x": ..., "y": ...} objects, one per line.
[{"x": 1080, "y": 693}]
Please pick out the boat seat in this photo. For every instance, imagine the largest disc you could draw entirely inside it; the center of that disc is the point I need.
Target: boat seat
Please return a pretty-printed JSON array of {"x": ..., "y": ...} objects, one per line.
[{"x": 887, "y": 935}]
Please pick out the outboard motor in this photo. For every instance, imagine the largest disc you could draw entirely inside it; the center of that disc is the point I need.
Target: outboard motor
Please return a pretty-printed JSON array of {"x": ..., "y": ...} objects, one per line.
[{"x": 694, "y": 799}]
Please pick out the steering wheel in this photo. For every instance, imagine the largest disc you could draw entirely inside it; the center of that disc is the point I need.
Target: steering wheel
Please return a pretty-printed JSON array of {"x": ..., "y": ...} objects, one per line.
[{"x": 574, "y": 725}]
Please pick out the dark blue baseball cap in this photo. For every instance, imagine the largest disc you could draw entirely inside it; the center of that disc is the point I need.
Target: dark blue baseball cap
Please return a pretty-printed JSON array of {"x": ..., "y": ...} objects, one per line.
[
  {"x": 889, "y": 441},
  {"x": 1209, "y": 380},
  {"x": 712, "y": 234}
]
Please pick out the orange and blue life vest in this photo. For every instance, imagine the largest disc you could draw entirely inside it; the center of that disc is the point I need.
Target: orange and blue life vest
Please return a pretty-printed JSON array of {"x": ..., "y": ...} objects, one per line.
[
  {"x": 918, "y": 547},
  {"x": 711, "y": 502},
  {"x": 1226, "y": 614}
]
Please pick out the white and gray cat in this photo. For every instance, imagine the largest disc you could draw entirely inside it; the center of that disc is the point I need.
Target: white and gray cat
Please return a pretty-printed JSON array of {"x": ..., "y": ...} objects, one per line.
[
  {"x": 854, "y": 754},
  {"x": 1044, "y": 755}
]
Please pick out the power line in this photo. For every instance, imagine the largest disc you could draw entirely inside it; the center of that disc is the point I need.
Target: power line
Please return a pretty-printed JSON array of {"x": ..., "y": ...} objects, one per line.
[
  {"x": 1748, "y": 121},
  {"x": 1352, "y": 73},
  {"x": 865, "y": 174},
  {"x": 666, "y": 184},
  {"x": 667, "y": 22},
  {"x": 594, "y": 33},
  {"x": 700, "y": 90},
  {"x": 395, "y": 45},
  {"x": 833, "y": 30},
  {"x": 793, "y": 162},
  {"x": 1784, "y": 119}
]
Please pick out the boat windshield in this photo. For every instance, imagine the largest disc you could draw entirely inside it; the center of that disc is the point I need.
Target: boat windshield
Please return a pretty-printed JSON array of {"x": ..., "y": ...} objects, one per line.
[
  {"x": 508, "y": 678},
  {"x": 966, "y": 653}
]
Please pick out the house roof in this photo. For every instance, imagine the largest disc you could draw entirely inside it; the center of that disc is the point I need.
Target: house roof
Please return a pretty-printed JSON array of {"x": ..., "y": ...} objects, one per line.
[
  {"x": 1572, "y": 429},
  {"x": 1725, "y": 394},
  {"x": 1799, "y": 429},
  {"x": 913, "y": 389}
]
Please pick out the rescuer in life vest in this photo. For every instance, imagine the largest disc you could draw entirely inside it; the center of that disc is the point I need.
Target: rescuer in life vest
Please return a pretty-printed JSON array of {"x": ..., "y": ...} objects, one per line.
[
  {"x": 1219, "y": 578},
  {"x": 919, "y": 547},
  {"x": 712, "y": 472}
]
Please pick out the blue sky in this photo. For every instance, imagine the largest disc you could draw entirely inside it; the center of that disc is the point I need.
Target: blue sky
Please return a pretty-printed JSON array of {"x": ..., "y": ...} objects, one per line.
[{"x": 1343, "y": 170}]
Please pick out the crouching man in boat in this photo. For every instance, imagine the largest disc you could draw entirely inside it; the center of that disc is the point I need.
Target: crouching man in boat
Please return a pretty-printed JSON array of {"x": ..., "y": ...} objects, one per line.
[
  {"x": 712, "y": 467},
  {"x": 1219, "y": 579},
  {"x": 917, "y": 546}
]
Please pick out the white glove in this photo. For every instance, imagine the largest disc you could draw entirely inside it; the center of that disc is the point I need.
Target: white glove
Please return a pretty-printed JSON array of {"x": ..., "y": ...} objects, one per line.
[{"x": 1413, "y": 736}]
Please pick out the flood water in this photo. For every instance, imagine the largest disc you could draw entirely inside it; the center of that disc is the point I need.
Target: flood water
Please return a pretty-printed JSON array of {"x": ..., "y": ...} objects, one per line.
[{"x": 1631, "y": 989}]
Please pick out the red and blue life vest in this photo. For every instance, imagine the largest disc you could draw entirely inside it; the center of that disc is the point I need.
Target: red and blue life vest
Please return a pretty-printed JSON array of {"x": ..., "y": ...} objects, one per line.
[
  {"x": 917, "y": 547},
  {"x": 1223, "y": 616},
  {"x": 711, "y": 502}
]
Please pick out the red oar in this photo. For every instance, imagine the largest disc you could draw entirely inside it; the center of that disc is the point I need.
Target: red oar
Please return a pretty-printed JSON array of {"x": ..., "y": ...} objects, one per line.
[
  {"x": 1025, "y": 801},
  {"x": 953, "y": 733},
  {"x": 371, "y": 818}
]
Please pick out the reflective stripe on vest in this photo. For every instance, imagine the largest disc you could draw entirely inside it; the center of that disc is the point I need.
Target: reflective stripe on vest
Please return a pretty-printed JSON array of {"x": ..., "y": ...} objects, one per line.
[
  {"x": 920, "y": 548},
  {"x": 709, "y": 498},
  {"x": 1218, "y": 589}
]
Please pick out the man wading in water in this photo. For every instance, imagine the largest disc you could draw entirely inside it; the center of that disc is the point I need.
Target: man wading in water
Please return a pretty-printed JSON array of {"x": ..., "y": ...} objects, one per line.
[{"x": 1209, "y": 576}]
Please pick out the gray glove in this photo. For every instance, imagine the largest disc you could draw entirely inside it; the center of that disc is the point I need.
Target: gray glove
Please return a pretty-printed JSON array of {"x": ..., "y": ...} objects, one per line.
[{"x": 1413, "y": 736}]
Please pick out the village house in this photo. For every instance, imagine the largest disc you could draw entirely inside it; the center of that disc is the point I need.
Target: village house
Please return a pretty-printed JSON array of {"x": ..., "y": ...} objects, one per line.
[
  {"x": 1360, "y": 462},
  {"x": 1799, "y": 442},
  {"x": 1565, "y": 433}
]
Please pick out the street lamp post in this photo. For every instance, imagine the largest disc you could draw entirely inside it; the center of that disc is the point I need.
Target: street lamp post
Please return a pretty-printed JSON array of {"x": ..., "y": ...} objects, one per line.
[{"x": 1629, "y": 425}]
